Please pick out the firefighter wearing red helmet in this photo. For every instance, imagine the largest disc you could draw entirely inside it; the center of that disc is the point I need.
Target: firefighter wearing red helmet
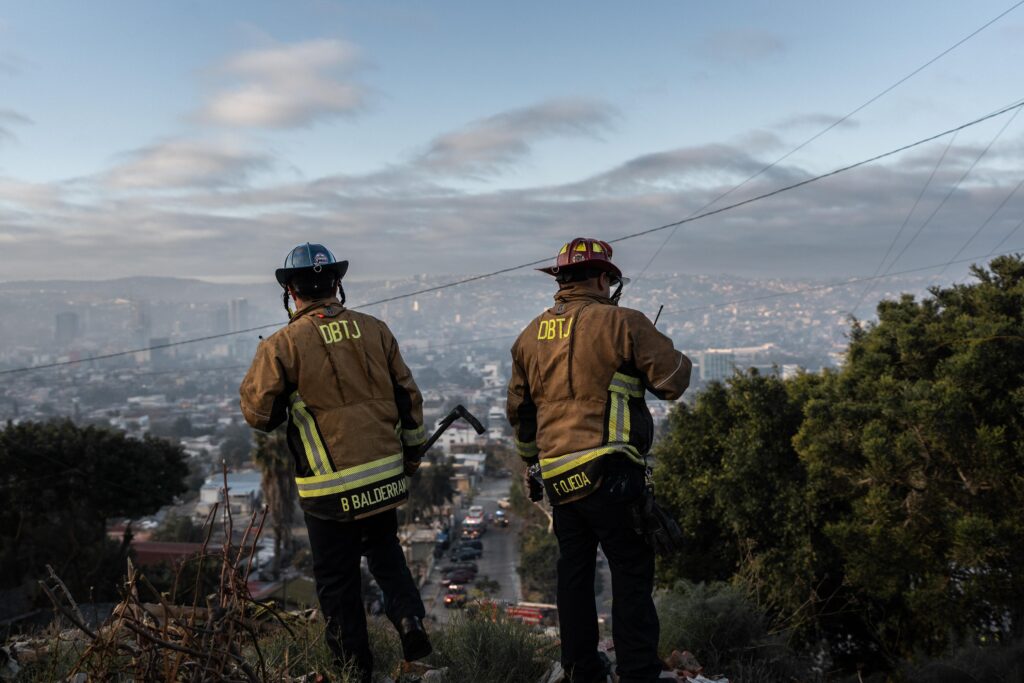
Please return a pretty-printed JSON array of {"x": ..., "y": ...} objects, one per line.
[
  {"x": 580, "y": 372},
  {"x": 354, "y": 421}
]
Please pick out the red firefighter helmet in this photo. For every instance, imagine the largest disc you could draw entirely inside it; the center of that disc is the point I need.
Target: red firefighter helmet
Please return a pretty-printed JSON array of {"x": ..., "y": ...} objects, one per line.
[{"x": 584, "y": 252}]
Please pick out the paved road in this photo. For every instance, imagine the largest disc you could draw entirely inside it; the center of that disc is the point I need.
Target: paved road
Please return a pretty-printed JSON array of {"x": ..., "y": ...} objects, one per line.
[{"x": 499, "y": 561}]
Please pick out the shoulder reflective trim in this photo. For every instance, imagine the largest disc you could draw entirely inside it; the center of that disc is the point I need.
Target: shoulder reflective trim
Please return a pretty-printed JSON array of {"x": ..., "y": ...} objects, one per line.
[
  {"x": 624, "y": 384},
  {"x": 414, "y": 437},
  {"x": 316, "y": 454},
  {"x": 552, "y": 467},
  {"x": 681, "y": 356},
  {"x": 527, "y": 449},
  {"x": 350, "y": 478}
]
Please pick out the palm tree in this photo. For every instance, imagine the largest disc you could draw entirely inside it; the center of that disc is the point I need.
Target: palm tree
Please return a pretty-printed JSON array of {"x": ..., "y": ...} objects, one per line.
[{"x": 274, "y": 459}]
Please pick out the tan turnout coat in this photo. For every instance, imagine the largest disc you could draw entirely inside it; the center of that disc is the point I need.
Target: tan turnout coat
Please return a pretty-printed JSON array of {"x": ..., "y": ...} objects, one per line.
[
  {"x": 580, "y": 371},
  {"x": 339, "y": 381}
]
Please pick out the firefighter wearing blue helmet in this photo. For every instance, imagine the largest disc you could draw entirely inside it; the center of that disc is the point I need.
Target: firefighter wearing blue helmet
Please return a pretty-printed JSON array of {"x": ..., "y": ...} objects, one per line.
[{"x": 354, "y": 419}]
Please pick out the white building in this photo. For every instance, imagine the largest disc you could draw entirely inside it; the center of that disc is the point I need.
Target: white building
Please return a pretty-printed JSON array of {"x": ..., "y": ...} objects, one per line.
[{"x": 244, "y": 493}]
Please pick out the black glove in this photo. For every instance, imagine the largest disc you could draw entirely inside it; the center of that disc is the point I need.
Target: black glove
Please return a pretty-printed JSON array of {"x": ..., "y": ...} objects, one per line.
[
  {"x": 534, "y": 483},
  {"x": 657, "y": 528},
  {"x": 412, "y": 457}
]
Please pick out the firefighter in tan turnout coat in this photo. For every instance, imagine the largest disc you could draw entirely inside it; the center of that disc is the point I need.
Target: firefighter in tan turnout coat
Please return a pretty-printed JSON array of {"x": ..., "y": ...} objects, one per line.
[
  {"x": 355, "y": 426},
  {"x": 580, "y": 372}
]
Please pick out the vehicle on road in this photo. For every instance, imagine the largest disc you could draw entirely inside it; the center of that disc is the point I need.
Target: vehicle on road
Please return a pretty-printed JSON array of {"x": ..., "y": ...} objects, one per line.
[
  {"x": 456, "y": 597},
  {"x": 475, "y": 512},
  {"x": 459, "y": 577},
  {"x": 471, "y": 533},
  {"x": 463, "y": 553},
  {"x": 471, "y": 543},
  {"x": 471, "y": 566},
  {"x": 500, "y": 519}
]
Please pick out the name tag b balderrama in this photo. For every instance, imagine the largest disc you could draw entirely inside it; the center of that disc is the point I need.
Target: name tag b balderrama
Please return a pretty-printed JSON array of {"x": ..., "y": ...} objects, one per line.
[{"x": 369, "y": 499}]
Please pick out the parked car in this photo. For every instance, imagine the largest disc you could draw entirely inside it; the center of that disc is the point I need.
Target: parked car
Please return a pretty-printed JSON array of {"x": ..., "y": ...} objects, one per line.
[
  {"x": 463, "y": 553},
  {"x": 460, "y": 577},
  {"x": 456, "y": 597},
  {"x": 471, "y": 566}
]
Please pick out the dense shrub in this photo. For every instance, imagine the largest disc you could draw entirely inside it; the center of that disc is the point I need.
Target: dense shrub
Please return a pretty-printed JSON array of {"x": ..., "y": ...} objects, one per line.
[
  {"x": 727, "y": 633},
  {"x": 487, "y": 649}
]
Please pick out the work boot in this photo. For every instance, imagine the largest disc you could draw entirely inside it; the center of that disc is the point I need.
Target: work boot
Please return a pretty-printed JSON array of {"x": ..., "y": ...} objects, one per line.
[{"x": 415, "y": 643}]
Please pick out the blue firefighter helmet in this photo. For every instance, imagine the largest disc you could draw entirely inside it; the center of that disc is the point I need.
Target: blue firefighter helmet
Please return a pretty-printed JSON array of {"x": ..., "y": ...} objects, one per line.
[{"x": 310, "y": 258}]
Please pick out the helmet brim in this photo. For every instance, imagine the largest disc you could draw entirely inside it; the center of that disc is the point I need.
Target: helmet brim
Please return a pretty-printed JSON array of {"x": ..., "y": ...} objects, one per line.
[
  {"x": 606, "y": 266},
  {"x": 284, "y": 275}
]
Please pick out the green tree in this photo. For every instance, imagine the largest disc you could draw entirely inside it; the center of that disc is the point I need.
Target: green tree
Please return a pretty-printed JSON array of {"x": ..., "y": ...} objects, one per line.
[
  {"x": 179, "y": 529},
  {"x": 730, "y": 474},
  {"x": 429, "y": 489},
  {"x": 61, "y": 483},
  {"x": 236, "y": 448},
  {"x": 280, "y": 492},
  {"x": 914, "y": 453},
  {"x": 538, "y": 563},
  {"x": 880, "y": 506}
]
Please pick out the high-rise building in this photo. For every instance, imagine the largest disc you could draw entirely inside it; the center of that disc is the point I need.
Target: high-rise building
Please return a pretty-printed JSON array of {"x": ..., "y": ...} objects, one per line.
[
  {"x": 238, "y": 314},
  {"x": 716, "y": 366},
  {"x": 219, "y": 320},
  {"x": 67, "y": 328},
  {"x": 142, "y": 322}
]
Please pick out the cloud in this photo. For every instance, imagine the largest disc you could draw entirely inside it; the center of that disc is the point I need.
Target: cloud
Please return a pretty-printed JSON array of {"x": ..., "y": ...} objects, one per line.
[
  {"x": 740, "y": 46},
  {"x": 409, "y": 217},
  {"x": 484, "y": 146},
  {"x": 176, "y": 164},
  {"x": 288, "y": 86},
  {"x": 675, "y": 170},
  {"x": 9, "y": 117}
]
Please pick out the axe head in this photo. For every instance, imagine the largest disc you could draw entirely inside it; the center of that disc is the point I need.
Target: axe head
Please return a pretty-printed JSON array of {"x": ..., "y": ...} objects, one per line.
[{"x": 461, "y": 411}]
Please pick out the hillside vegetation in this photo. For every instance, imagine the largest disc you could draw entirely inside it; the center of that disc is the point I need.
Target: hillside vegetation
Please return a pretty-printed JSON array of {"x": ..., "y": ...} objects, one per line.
[{"x": 875, "y": 513}]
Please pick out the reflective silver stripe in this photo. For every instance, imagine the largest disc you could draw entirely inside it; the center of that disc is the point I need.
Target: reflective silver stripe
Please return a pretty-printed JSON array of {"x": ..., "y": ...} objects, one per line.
[
  {"x": 414, "y": 437},
  {"x": 627, "y": 385},
  {"x": 310, "y": 438},
  {"x": 621, "y": 431},
  {"x": 391, "y": 464},
  {"x": 527, "y": 449}
]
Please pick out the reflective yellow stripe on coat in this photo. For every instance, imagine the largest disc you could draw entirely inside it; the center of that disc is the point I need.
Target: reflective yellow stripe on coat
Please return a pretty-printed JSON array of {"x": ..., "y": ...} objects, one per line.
[
  {"x": 351, "y": 478},
  {"x": 620, "y": 390}
]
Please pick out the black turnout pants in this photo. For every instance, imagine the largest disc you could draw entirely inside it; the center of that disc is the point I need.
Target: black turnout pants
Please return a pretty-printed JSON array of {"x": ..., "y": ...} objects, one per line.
[
  {"x": 604, "y": 517},
  {"x": 337, "y": 548}
]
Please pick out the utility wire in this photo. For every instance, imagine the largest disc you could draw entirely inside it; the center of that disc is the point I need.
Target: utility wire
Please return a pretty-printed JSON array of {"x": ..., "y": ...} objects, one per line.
[
  {"x": 906, "y": 220},
  {"x": 954, "y": 188},
  {"x": 845, "y": 283},
  {"x": 713, "y": 212},
  {"x": 986, "y": 222},
  {"x": 1008, "y": 236},
  {"x": 837, "y": 122}
]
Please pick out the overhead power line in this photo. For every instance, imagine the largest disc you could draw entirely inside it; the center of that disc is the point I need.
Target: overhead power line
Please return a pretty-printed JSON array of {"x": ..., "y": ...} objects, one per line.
[
  {"x": 844, "y": 283},
  {"x": 455, "y": 283},
  {"x": 906, "y": 221},
  {"x": 988, "y": 220},
  {"x": 835, "y": 123}
]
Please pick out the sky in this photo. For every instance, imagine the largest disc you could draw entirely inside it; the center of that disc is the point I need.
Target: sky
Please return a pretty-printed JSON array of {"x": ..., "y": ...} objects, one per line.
[{"x": 202, "y": 139}]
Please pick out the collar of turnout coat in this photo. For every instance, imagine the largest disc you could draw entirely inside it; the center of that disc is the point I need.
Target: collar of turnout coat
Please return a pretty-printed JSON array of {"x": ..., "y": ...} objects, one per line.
[
  {"x": 573, "y": 292},
  {"x": 327, "y": 302}
]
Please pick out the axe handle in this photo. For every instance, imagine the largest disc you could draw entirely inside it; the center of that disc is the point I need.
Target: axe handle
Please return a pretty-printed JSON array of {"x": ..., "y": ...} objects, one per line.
[{"x": 445, "y": 424}]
